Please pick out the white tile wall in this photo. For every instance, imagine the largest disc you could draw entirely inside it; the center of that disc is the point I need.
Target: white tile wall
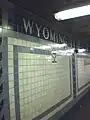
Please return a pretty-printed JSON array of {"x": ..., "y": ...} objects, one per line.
[
  {"x": 83, "y": 71},
  {"x": 87, "y": 69},
  {"x": 42, "y": 84}
]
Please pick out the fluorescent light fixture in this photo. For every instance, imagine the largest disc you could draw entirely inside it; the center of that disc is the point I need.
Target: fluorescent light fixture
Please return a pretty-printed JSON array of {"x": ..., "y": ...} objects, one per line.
[
  {"x": 55, "y": 52},
  {"x": 69, "y": 52},
  {"x": 73, "y": 13},
  {"x": 84, "y": 54},
  {"x": 0, "y": 29},
  {"x": 81, "y": 50},
  {"x": 58, "y": 45},
  {"x": 45, "y": 47},
  {"x": 49, "y": 46},
  {"x": 72, "y": 50}
]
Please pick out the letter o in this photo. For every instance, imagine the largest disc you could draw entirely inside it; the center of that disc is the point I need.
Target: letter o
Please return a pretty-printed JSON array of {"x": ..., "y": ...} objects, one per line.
[{"x": 45, "y": 33}]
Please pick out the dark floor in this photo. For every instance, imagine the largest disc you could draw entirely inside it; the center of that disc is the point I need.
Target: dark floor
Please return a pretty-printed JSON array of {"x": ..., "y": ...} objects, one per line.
[{"x": 81, "y": 111}]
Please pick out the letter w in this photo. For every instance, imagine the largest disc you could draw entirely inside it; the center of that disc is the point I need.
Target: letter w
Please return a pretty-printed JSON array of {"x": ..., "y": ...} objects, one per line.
[{"x": 27, "y": 26}]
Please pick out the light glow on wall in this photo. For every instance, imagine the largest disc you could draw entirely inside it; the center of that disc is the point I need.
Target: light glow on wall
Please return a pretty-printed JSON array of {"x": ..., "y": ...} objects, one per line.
[
  {"x": 50, "y": 46},
  {"x": 0, "y": 29},
  {"x": 68, "y": 51},
  {"x": 73, "y": 13},
  {"x": 81, "y": 50},
  {"x": 58, "y": 45}
]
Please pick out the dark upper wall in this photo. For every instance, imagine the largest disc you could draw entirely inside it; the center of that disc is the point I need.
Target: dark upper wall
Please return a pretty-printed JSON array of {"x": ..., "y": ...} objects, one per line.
[
  {"x": 38, "y": 7},
  {"x": 56, "y": 26}
]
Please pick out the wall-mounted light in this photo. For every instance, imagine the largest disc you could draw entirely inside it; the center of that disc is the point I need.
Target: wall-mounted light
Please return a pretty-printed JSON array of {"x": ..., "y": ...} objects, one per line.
[
  {"x": 49, "y": 46},
  {"x": 58, "y": 45},
  {"x": 81, "y": 50},
  {"x": 0, "y": 29},
  {"x": 44, "y": 47},
  {"x": 73, "y": 13},
  {"x": 68, "y": 51}
]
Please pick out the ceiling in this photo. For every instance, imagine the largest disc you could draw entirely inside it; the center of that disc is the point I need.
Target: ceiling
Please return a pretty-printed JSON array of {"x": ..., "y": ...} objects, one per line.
[{"x": 78, "y": 28}]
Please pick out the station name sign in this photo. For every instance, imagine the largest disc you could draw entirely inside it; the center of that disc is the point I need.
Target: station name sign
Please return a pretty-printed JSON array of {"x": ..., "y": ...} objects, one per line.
[{"x": 32, "y": 28}]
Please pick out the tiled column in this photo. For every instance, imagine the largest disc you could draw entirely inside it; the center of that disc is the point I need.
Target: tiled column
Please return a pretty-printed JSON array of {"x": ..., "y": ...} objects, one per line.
[
  {"x": 4, "y": 87},
  {"x": 74, "y": 75},
  {"x": 1, "y": 83}
]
